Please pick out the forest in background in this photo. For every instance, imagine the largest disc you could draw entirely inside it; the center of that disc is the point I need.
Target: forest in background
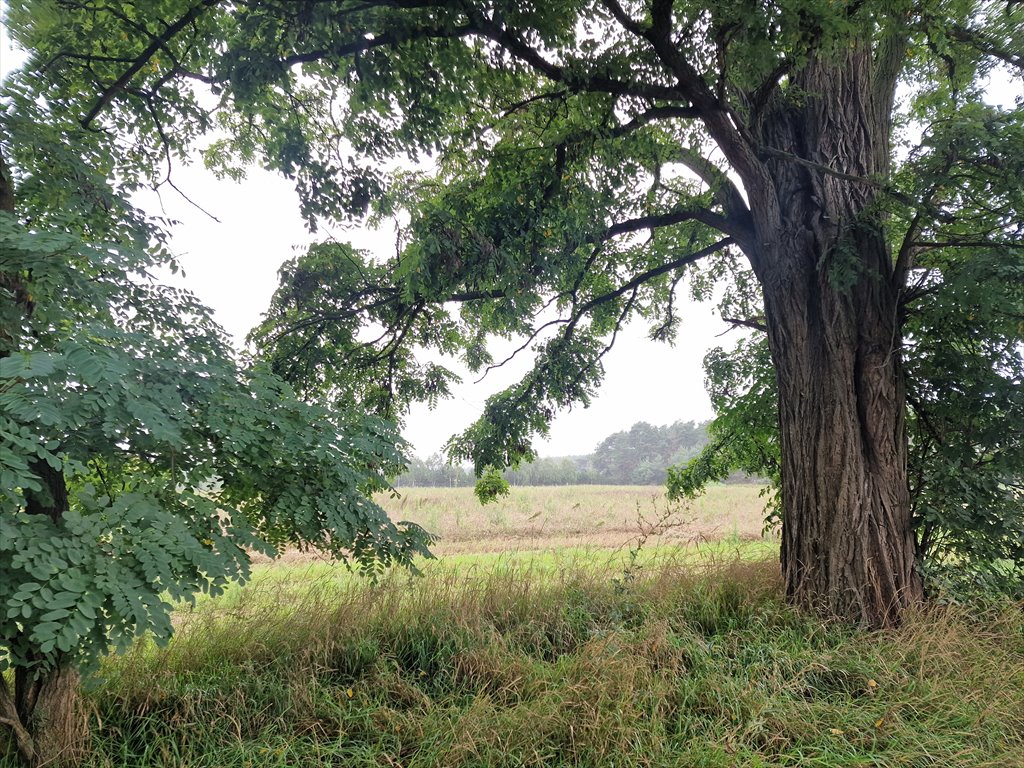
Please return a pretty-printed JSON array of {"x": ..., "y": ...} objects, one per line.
[{"x": 637, "y": 456}]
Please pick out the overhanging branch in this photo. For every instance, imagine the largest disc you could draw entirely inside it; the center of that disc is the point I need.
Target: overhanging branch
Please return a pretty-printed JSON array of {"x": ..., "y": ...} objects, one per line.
[
  {"x": 650, "y": 274},
  {"x": 631, "y": 287},
  {"x": 667, "y": 219}
]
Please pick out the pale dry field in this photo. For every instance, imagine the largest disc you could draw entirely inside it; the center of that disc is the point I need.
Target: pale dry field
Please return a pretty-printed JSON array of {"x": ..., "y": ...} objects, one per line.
[{"x": 559, "y": 517}]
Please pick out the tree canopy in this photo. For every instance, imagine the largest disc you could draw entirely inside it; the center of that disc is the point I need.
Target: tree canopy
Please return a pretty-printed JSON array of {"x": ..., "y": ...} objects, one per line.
[{"x": 832, "y": 171}]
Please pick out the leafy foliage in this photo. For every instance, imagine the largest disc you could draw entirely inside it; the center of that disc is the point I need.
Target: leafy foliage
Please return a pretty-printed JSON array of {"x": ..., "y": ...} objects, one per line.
[
  {"x": 744, "y": 434},
  {"x": 592, "y": 158},
  {"x": 176, "y": 460},
  {"x": 491, "y": 486},
  {"x": 314, "y": 334}
]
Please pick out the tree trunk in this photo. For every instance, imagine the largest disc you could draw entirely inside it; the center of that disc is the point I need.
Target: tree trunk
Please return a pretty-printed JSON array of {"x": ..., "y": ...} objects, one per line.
[
  {"x": 847, "y": 547},
  {"x": 831, "y": 303},
  {"x": 47, "y": 722}
]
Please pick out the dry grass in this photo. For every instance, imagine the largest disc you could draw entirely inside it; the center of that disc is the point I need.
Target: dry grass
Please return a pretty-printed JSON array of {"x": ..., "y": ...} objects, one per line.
[
  {"x": 557, "y": 517},
  {"x": 575, "y": 517}
]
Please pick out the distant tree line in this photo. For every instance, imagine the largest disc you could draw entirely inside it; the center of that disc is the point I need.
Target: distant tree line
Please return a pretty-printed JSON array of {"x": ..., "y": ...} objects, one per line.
[{"x": 640, "y": 455}]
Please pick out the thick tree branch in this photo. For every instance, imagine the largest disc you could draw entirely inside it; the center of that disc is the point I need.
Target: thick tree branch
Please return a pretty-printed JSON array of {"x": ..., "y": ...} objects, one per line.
[
  {"x": 653, "y": 114},
  {"x": 650, "y": 274},
  {"x": 10, "y": 718},
  {"x": 905, "y": 257},
  {"x": 763, "y": 92},
  {"x": 983, "y": 44},
  {"x": 620, "y": 15},
  {"x": 572, "y": 80},
  {"x": 724, "y": 128},
  {"x": 670, "y": 218},
  {"x": 725, "y": 191},
  {"x": 758, "y": 324},
  {"x": 6, "y": 187},
  {"x": 158, "y": 43}
]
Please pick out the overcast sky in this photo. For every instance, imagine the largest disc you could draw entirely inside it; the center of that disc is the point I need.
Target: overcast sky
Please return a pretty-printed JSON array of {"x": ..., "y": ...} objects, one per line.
[{"x": 231, "y": 264}]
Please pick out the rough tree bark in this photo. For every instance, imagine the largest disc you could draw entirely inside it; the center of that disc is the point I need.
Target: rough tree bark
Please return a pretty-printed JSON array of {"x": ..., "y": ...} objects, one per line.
[
  {"x": 43, "y": 713},
  {"x": 831, "y": 302}
]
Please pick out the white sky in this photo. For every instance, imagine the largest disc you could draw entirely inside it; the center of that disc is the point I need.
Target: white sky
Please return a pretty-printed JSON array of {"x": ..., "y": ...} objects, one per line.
[{"x": 232, "y": 266}]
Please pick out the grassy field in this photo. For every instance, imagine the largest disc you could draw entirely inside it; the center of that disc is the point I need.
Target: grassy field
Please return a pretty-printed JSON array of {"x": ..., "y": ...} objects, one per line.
[
  {"x": 556, "y": 517},
  {"x": 685, "y": 656},
  {"x": 579, "y": 518}
]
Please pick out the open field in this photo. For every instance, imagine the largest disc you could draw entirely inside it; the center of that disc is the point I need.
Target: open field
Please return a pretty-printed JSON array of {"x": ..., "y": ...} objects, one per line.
[
  {"x": 582, "y": 515},
  {"x": 577, "y": 518}
]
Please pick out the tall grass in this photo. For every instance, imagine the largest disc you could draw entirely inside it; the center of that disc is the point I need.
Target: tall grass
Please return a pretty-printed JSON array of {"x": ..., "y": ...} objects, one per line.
[{"x": 681, "y": 665}]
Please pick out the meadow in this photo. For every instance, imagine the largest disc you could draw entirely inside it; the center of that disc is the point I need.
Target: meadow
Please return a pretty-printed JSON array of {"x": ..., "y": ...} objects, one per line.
[
  {"x": 599, "y": 516},
  {"x": 513, "y": 649}
]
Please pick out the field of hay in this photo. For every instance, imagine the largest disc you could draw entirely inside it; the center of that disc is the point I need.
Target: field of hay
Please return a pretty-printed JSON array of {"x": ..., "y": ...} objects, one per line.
[
  {"x": 576, "y": 518},
  {"x": 556, "y": 517}
]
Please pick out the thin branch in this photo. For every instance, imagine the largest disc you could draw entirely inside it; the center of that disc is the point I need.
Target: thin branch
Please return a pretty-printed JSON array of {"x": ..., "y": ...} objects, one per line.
[
  {"x": 462, "y": 298},
  {"x": 512, "y": 108},
  {"x": 611, "y": 342},
  {"x": 653, "y": 114},
  {"x": 967, "y": 244},
  {"x": 669, "y": 218},
  {"x": 633, "y": 286},
  {"x": 87, "y": 57},
  {"x": 650, "y": 274},
  {"x": 378, "y": 41},
  {"x": 789, "y": 157},
  {"x": 905, "y": 258},
  {"x": 189, "y": 200},
  {"x": 521, "y": 348},
  {"x": 985, "y": 45},
  {"x": 620, "y": 15},
  {"x": 758, "y": 324}
]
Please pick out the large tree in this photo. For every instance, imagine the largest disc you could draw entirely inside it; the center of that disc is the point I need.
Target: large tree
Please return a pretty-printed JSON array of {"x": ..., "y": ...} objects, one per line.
[{"x": 832, "y": 161}]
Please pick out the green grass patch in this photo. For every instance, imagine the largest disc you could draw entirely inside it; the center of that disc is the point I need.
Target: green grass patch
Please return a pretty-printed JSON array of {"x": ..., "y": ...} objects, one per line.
[{"x": 534, "y": 663}]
